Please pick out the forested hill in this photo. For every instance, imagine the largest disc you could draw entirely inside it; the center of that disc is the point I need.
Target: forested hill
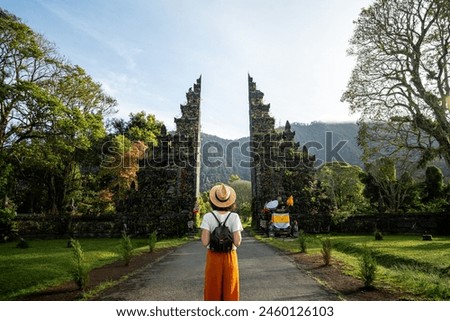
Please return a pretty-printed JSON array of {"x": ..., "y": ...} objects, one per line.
[
  {"x": 223, "y": 157},
  {"x": 328, "y": 137}
]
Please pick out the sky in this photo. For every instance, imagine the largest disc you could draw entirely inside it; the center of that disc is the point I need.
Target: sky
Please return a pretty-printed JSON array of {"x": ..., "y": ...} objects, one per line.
[{"x": 148, "y": 53}]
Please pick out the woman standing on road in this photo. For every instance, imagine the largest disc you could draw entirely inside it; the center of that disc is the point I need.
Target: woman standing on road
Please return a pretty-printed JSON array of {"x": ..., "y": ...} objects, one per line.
[{"x": 222, "y": 270}]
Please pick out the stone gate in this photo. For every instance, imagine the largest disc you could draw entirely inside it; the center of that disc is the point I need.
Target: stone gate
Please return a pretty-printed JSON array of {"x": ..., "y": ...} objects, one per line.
[
  {"x": 280, "y": 167},
  {"x": 169, "y": 175}
]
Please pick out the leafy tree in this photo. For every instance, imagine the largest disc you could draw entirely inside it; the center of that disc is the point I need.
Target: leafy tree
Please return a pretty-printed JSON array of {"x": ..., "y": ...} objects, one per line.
[
  {"x": 54, "y": 157},
  {"x": 435, "y": 194},
  {"x": 7, "y": 208},
  {"x": 28, "y": 65},
  {"x": 51, "y": 116},
  {"x": 343, "y": 185},
  {"x": 203, "y": 203},
  {"x": 386, "y": 189},
  {"x": 140, "y": 127},
  {"x": 124, "y": 165},
  {"x": 245, "y": 211},
  {"x": 233, "y": 178},
  {"x": 434, "y": 183},
  {"x": 308, "y": 194},
  {"x": 127, "y": 147},
  {"x": 401, "y": 82},
  {"x": 243, "y": 190}
]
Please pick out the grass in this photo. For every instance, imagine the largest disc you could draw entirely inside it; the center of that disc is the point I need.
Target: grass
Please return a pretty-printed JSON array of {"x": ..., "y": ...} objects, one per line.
[
  {"x": 47, "y": 262},
  {"x": 405, "y": 262}
]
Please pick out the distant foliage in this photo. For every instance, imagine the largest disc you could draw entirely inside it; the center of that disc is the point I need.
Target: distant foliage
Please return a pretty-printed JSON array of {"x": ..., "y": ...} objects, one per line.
[
  {"x": 389, "y": 188},
  {"x": 245, "y": 212},
  {"x": 243, "y": 190},
  {"x": 343, "y": 185}
]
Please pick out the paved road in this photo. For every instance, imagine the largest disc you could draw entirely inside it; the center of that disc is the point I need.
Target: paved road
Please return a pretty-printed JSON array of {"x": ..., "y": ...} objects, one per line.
[{"x": 265, "y": 275}]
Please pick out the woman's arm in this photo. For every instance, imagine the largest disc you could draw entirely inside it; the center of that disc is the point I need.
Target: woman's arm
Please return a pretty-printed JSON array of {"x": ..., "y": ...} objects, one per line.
[
  {"x": 206, "y": 236},
  {"x": 237, "y": 238}
]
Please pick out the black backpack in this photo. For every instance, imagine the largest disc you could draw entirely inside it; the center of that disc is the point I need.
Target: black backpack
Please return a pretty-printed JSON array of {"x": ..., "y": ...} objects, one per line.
[{"x": 221, "y": 237}]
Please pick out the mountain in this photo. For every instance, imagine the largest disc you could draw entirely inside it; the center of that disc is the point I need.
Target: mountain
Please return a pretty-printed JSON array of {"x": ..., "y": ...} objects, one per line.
[
  {"x": 330, "y": 141},
  {"x": 223, "y": 157}
]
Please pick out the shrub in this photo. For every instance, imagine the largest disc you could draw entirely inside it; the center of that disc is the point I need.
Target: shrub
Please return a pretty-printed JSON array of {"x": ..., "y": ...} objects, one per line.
[
  {"x": 152, "y": 241},
  {"x": 326, "y": 250},
  {"x": 378, "y": 235},
  {"x": 125, "y": 249},
  {"x": 22, "y": 244},
  {"x": 302, "y": 241},
  {"x": 368, "y": 267},
  {"x": 8, "y": 228},
  {"x": 80, "y": 268}
]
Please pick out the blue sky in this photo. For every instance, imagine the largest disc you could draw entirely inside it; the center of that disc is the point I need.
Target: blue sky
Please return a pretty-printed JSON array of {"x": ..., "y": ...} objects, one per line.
[{"x": 147, "y": 53}]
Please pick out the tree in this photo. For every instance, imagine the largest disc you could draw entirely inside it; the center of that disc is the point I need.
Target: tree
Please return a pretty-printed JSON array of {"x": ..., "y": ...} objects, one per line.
[
  {"x": 233, "y": 178},
  {"x": 434, "y": 183},
  {"x": 243, "y": 190},
  {"x": 123, "y": 165},
  {"x": 128, "y": 144},
  {"x": 28, "y": 64},
  {"x": 388, "y": 190},
  {"x": 343, "y": 185},
  {"x": 53, "y": 157},
  {"x": 140, "y": 127},
  {"x": 7, "y": 208},
  {"x": 51, "y": 115},
  {"x": 401, "y": 82},
  {"x": 435, "y": 194}
]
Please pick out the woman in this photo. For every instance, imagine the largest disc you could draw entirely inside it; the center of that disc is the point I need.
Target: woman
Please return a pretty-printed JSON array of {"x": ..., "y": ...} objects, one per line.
[{"x": 221, "y": 271}]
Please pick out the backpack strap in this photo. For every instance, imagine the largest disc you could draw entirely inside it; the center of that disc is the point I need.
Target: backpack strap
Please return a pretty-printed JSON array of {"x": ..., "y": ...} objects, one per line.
[
  {"x": 226, "y": 218},
  {"x": 218, "y": 219}
]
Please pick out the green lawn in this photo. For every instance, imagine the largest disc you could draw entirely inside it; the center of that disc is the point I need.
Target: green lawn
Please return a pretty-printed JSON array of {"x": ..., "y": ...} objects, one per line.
[
  {"x": 46, "y": 262},
  {"x": 405, "y": 262}
]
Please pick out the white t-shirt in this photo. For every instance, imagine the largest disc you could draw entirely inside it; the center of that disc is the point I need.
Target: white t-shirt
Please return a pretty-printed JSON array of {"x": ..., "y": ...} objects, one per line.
[{"x": 233, "y": 223}]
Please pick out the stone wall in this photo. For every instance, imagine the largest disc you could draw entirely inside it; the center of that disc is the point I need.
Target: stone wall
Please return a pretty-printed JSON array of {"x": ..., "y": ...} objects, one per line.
[
  {"x": 37, "y": 226},
  {"x": 396, "y": 224},
  {"x": 40, "y": 226},
  {"x": 438, "y": 224}
]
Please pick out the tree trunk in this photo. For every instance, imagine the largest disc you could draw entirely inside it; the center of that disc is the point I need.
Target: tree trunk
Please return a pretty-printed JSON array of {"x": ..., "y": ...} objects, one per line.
[{"x": 52, "y": 196}]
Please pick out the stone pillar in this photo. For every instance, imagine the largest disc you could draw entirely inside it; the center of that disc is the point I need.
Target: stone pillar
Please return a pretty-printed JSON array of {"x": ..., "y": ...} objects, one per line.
[
  {"x": 263, "y": 139},
  {"x": 170, "y": 176},
  {"x": 279, "y": 167},
  {"x": 188, "y": 129}
]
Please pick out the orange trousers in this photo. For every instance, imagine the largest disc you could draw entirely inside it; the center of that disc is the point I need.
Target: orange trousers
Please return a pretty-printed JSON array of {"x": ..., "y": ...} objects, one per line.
[{"x": 221, "y": 276}]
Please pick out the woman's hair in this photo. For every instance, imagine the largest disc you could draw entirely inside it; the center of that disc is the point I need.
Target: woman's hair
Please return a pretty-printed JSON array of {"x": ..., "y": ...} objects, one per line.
[{"x": 232, "y": 207}]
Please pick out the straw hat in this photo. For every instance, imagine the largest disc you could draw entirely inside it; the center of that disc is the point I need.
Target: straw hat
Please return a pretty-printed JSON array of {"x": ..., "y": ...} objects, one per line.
[{"x": 222, "y": 196}]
